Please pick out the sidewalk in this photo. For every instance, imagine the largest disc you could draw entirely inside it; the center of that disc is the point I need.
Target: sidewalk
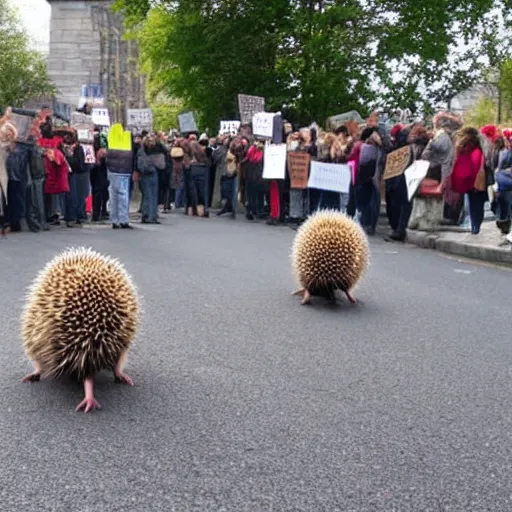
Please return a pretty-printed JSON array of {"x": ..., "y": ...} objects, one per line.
[{"x": 489, "y": 245}]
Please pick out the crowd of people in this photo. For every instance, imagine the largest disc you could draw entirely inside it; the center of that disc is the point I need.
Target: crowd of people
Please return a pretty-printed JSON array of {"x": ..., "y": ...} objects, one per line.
[{"x": 46, "y": 181}]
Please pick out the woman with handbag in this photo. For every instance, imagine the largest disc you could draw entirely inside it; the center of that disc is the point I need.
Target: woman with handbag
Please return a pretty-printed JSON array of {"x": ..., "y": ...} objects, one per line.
[{"x": 468, "y": 175}]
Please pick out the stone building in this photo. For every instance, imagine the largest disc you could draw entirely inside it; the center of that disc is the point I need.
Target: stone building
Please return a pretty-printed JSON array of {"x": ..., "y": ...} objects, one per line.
[{"x": 87, "y": 47}]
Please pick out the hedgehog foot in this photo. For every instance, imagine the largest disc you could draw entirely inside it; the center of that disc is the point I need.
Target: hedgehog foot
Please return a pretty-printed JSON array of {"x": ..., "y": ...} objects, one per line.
[
  {"x": 33, "y": 377},
  {"x": 299, "y": 292},
  {"x": 351, "y": 298},
  {"x": 307, "y": 298},
  {"x": 89, "y": 402},
  {"x": 123, "y": 378}
]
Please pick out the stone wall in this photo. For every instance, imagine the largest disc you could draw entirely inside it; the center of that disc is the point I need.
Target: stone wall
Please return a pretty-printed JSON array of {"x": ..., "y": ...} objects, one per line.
[{"x": 86, "y": 46}]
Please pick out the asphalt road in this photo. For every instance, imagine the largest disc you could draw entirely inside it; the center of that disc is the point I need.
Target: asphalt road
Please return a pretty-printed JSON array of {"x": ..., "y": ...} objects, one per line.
[{"x": 246, "y": 401}]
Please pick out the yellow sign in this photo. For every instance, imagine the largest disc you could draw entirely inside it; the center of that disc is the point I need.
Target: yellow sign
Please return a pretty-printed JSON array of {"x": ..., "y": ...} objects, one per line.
[{"x": 120, "y": 139}]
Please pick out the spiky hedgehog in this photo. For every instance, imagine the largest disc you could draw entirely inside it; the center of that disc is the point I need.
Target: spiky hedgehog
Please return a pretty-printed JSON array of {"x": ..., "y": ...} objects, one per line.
[
  {"x": 81, "y": 315},
  {"x": 330, "y": 252}
]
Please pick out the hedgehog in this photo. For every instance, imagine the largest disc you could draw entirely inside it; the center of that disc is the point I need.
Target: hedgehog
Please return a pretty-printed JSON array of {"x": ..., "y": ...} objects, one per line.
[
  {"x": 80, "y": 317},
  {"x": 330, "y": 252}
]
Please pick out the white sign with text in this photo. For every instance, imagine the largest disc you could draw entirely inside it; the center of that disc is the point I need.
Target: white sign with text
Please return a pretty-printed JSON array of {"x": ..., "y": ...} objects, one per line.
[
  {"x": 331, "y": 177},
  {"x": 274, "y": 162}
]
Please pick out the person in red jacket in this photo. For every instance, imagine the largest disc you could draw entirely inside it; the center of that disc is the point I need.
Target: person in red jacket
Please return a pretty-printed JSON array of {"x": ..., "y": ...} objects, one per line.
[{"x": 469, "y": 159}]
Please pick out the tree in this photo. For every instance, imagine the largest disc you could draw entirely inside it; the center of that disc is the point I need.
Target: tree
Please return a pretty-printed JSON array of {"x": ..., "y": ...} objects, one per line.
[
  {"x": 313, "y": 57},
  {"x": 23, "y": 72}
]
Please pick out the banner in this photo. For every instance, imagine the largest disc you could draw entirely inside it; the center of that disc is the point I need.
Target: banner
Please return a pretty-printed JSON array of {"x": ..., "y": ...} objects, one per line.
[
  {"x": 414, "y": 175},
  {"x": 248, "y": 106},
  {"x": 90, "y": 158},
  {"x": 339, "y": 120},
  {"x": 101, "y": 116},
  {"x": 263, "y": 124},
  {"x": 331, "y": 177},
  {"x": 229, "y": 127},
  {"x": 187, "y": 122},
  {"x": 274, "y": 162},
  {"x": 298, "y": 169},
  {"x": 139, "y": 119},
  {"x": 396, "y": 163}
]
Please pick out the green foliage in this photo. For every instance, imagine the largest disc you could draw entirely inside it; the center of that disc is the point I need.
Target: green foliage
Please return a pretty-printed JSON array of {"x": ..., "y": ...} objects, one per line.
[
  {"x": 483, "y": 113},
  {"x": 310, "y": 58},
  {"x": 165, "y": 112},
  {"x": 505, "y": 84},
  {"x": 23, "y": 72}
]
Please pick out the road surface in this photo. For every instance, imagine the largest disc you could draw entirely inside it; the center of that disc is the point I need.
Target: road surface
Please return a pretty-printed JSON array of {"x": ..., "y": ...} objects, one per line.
[{"x": 246, "y": 401}]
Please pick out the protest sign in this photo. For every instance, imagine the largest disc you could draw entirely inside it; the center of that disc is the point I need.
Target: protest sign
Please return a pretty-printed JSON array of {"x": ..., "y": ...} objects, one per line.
[
  {"x": 263, "y": 124},
  {"x": 298, "y": 169},
  {"x": 23, "y": 125},
  {"x": 101, "y": 116},
  {"x": 274, "y": 162},
  {"x": 414, "y": 175},
  {"x": 331, "y": 177},
  {"x": 119, "y": 139},
  {"x": 89, "y": 153},
  {"x": 187, "y": 122},
  {"x": 248, "y": 106},
  {"x": 139, "y": 119},
  {"x": 229, "y": 127},
  {"x": 396, "y": 163},
  {"x": 84, "y": 126}
]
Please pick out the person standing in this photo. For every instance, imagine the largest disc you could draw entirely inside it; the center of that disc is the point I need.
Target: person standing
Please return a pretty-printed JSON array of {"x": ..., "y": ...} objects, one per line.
[
  {"x": 148, "y": 179},
  {"x": 120, "y": 170}
]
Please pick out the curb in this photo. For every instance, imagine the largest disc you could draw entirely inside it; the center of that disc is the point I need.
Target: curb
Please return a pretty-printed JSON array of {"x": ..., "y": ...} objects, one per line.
[{"x": 478, "y": 252}]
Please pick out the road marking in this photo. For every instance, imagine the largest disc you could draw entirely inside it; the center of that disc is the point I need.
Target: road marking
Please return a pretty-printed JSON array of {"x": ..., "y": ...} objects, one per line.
[{"x": 461, "y": 271}]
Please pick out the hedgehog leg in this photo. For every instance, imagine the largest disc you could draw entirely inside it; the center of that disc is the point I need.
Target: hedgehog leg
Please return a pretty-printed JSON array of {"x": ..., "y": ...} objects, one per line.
[
  {"x": 351, "y": 298},
  {"x": 89, "y": 402},
  {"x": 119, "y": 375},
  {"x": 307, "y": 297},
  {"x": 35, "y": 376},
  {"x": 299, "y": 292}
]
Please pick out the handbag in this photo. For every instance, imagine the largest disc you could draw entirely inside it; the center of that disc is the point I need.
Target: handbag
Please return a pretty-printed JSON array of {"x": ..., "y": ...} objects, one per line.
[
  {"x": 177, "y": 152},
  {"x": 480, "y": 180},
  {"x": 430, "y": 188}
]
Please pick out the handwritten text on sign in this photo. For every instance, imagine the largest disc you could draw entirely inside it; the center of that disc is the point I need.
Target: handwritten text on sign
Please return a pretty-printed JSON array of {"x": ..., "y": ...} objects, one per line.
[
  {"x": 274, "y": 162},
  {"x": 139, "y": 118},
  {"x": 331, "y": 177},
  {"x": 229, "y": 127},
  {"x": 298, "y": 168},
  {"x": 396, "y": 163},
  {"x": 101, "y": 116},
  {"x": 250, "y": 105},
  {"x": 263, "y": 124}
]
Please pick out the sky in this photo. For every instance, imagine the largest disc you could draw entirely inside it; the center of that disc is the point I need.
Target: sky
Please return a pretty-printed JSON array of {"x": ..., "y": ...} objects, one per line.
[{"x": 35, "y": 15}]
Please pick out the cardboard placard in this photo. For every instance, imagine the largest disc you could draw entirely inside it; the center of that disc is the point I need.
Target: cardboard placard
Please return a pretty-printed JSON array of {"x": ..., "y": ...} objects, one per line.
[
  {"x": 298, "y": 169},
  {"x": 90, "y": 158},
  {"x": 101, "y": 116},
  {"x": 84, "y": 126},
  {"x": 139, "y": 119},
  {"x": 331, "y": 177},
  {"x": 187, "y": 122},
  {"x": 248, "y": 106},
  {"x": 396, "y": 163},
  {"x": 229, "y": 127},
  {"x": 119, "y": 139},
  {"x": 263, "y": 124},
  {"x": 274, "y": 162},
  {"x": 414, "y": 175}
]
